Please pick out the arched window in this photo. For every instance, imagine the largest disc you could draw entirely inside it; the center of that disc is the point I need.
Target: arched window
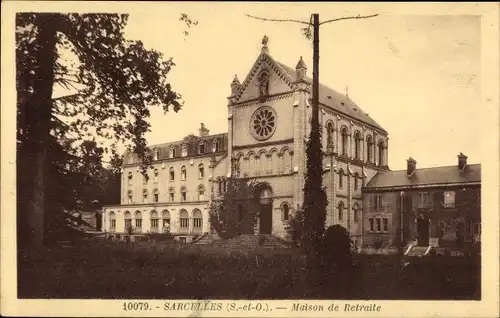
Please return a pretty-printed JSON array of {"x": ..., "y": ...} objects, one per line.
[
  {"x": 138, "y": 221},
  {"x": 201, "y": 147},
  {"x": 357, "y": 145},
  {"x": 112, "y": 222},
  {"x": 369, "y": 149},
  {"x": 285, "y": 211},
  {"x": 145, "y": 179},
  {"x": 171, "y": 193},
  {"x": 156, "y": 155},
  {"x": 165, "y": 216},
  {"x": 128, "y": 220},
  {"x": 145, "y": 195},
  {"x": 154, "y": 221},
  {"x": 341, "y": 179},
  {"x": 201, "y": 171},
  {"x": 183, "y": 194},
  {"x": 172, "y": 174},
  {"x": 344, "y": 141},
  {"x": 156, "y": 195},
  {"x": 129, "y": 195},
  {"x": 341, "y": 211},
  {"x": 130, "y": 178},
  {"x": 183, "y": 173},
  {"x": 329, "y": 133},
  {"x": 357, "y": 211},
  {"x": 381, "y": 159},
  {"x": 156, "y": 176},
  {"x": 197, "y": 221},
  {"x": 356, "y": 181},
  {"x": 216, "y": 145},
  {"x": 183, "y": 220},
  {"x": 201, "y": 192}
]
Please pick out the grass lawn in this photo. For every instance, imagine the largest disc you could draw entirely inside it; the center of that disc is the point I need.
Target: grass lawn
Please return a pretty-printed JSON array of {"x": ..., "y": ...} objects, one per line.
[{"x": 108, "y": 270}]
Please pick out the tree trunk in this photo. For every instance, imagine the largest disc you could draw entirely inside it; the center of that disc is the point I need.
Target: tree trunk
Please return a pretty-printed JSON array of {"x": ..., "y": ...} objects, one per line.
[{"x": 38, "y": 116}]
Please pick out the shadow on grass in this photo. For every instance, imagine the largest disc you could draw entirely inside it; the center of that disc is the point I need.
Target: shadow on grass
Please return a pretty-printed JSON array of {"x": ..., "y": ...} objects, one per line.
[{"x": 107, "y": 270}]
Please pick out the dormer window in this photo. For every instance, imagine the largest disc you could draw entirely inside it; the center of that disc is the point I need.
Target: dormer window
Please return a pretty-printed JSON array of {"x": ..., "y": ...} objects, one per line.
[
  {"x": 156, "y": 154},
  {"x": 201, "y": 148},
  {"x": 216, "y": 145},
  {"x": 184, "y": 150},
  {"x": 172, "y": 152}
]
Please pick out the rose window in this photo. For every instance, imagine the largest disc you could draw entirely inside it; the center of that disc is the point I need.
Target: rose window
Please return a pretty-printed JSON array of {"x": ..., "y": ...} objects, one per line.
[{"x": 263, "y": 123}]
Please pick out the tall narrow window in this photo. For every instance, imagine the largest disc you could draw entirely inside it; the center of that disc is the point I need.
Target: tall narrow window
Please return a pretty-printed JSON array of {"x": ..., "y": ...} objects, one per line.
[
  {"x": 129, "y": 176},
  {"x": 377, "y": 221},
  {"x": 172, "y": 151},
  {"x": 386, "y": 224},
  {"x": 184, "y": 220},
  {"x": 201, "y": 192},
  {"x": 344, "y": 141},
  {"x": 285, "y": 212},
  {"x": 156, "y": 176},
  {"x": 369, "y": 149},
  {"x": 154, "y": 220},
  {"x": 172, "y": 174},
  {"x": 372, "y": 225},
  {"x": 341, "y": 179},
  {"x": 341, "y": 211},
  {"x": 165, "y": 215},
  {"x": 216, "y": 145},
  {"x": 156, "y": 155},
  {"x": 201, "y": 171},
  {"x": 128, "y": 221},
  {"x": 145, "y": 179},
  {"x": 357, "y": 145},
  {"x": 381, "y": 159},
  {"x": 184, "y": 150},
  {"x": 129, "y": 195},
  {"x": 201, "y": 148},
  {"x": 183, "y": 194},
  {"x": 356, "y": 181},
  {"x": 145, "y": 195},
  {"x": 156, "y": 195},
  {"x": 138, "y": 221},
  {"x": 112, "y": 222},
  {"x": 356, "y": 210},
  {"x": 183, "y": 173},
  {"x": 329, "y": 134},
  {"x": 171, "y": 194},
  {"x": 197, "y": 221}
]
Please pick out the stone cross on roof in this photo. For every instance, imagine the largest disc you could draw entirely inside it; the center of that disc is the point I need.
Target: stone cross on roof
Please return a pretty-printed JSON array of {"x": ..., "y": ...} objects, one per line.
[{"x": 265, "y": 39}]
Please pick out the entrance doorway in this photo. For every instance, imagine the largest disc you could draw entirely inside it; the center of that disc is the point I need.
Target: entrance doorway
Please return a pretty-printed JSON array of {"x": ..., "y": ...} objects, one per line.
[
  {"x": 423, "y": 231},
  {"x": 265, "y": 209}
]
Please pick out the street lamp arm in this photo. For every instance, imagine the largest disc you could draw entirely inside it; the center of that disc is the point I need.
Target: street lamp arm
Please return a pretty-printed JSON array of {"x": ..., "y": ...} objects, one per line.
[
  {"x": 350, "y": 18},
  {"x": 278, "y": 20}
]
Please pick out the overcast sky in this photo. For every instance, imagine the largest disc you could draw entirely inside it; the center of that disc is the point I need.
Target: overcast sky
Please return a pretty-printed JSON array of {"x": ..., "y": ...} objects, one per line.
[{"x": 416, "y": 75}]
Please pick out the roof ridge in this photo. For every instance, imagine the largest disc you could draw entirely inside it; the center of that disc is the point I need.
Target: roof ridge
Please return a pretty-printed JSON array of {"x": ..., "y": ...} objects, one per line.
[{"x": 437, "y": 167}]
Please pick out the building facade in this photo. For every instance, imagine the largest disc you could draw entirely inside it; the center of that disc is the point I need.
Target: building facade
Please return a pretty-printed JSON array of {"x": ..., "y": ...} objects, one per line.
[
  {"x": 268, "y": 126},
  {"x": 438, "y": 207}
]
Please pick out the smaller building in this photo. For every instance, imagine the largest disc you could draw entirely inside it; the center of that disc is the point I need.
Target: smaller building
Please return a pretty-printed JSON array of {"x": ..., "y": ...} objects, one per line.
[{"x": 438, "y": 207}]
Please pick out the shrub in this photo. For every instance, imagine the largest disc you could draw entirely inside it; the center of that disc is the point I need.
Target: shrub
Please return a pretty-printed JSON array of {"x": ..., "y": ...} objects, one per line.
[
  {"x": 377, "y": 243},
  {"x": 336, "y": 248},
  {"x": 295, "y": 226}
]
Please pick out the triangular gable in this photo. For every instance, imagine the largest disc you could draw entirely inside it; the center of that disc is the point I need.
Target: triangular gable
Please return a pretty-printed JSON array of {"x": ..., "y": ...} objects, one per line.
[{"x": 280, "y": 81}]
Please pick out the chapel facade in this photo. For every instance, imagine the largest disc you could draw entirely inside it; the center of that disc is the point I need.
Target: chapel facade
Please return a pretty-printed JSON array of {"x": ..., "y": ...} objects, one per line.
[{"x": 268, "y": 124}]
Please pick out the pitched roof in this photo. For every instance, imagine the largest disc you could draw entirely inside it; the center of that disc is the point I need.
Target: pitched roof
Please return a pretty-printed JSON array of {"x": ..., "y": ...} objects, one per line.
[
  {"x": 335, "y": 100},
  {"x": 426, "y": 176}
]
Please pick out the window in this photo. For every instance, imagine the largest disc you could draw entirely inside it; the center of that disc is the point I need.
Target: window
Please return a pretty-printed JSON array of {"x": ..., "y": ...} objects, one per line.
[
  {"x": 156, "y": 155},
  {"x": 197, "y": 220},
  {"x": 377, "y": 222},
  {"x": 381, "y": 159},
  {"x": 128, "y": 220},
  {"x": 449, "y": 199},
  {"x": 329, "y": 134},
  {"x": 183, "y": 173},
  {"x": 344, "y": 141},
  {"x": 165, "y": 215},
  {"x": 356, "y": 210},
  {"x": 138, "y": 221},
  {"x": 145, "y": 195},
  {"x": 341, "y": 179},
  {"x": 357, "y": 145},
  {"x": 285, "y": 211},
  {"x": 372, "y": 225},
  {"x": 129, "y": 194},
  {"x": 241, "y": 212},
  {"x": 201, "y": 148},
  {"x": 201, "y": 171},
  {"x": 385, "y": 222},
  {"x": 216, "y": 145},
  {"x": 184, "y": 219},
  {"x": 112, "y": 222},
  {"x": 341, "y": 211},
  {"x": 172, "y": 174},
  {"x": 156, "y": 176},
  {"x": 145, "y": 179},
  {"x": 356, "y": 181},
  {"x": 424, "y": 200},
  {"x": 184, "y": 150},
  {"x": 369, "y": 149},
  {"x": 156, "y": 195},
  {"x": 154, "y": 221},
  {"x": 130, "y": 178},
  {"x": 172, "y": 152},
  {"x": 171, "y": 194},
  {"x": 377, "y": 203},
  {"x": 183, "y": 194},
  {"x": 201, "y": 192}
]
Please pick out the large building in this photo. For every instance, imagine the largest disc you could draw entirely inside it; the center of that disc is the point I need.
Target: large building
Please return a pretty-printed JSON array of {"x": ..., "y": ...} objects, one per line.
[
  {"x": 431, "y": 207},
  {"x": 268, "y": 124}
]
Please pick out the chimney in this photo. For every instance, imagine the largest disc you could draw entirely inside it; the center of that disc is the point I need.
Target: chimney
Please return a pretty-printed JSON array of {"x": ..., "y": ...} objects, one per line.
[
  {"x": 235, "y": 85},
  {"x": 462, "y": 161},
  {"x": 203, "y": 130},
  {"x": 300, "y": 69},
  {"x": 412, "y": 164}
]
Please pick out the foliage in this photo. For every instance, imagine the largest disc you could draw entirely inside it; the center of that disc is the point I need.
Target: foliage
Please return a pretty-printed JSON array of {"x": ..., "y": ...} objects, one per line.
[
  {"x": 295, "y": 226},
  {"x": 377, "y": 243},
  {"x": 336, "y": 248},
  {"x": 235, "y": 212},
  {"x": 112, "y": 82}
]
